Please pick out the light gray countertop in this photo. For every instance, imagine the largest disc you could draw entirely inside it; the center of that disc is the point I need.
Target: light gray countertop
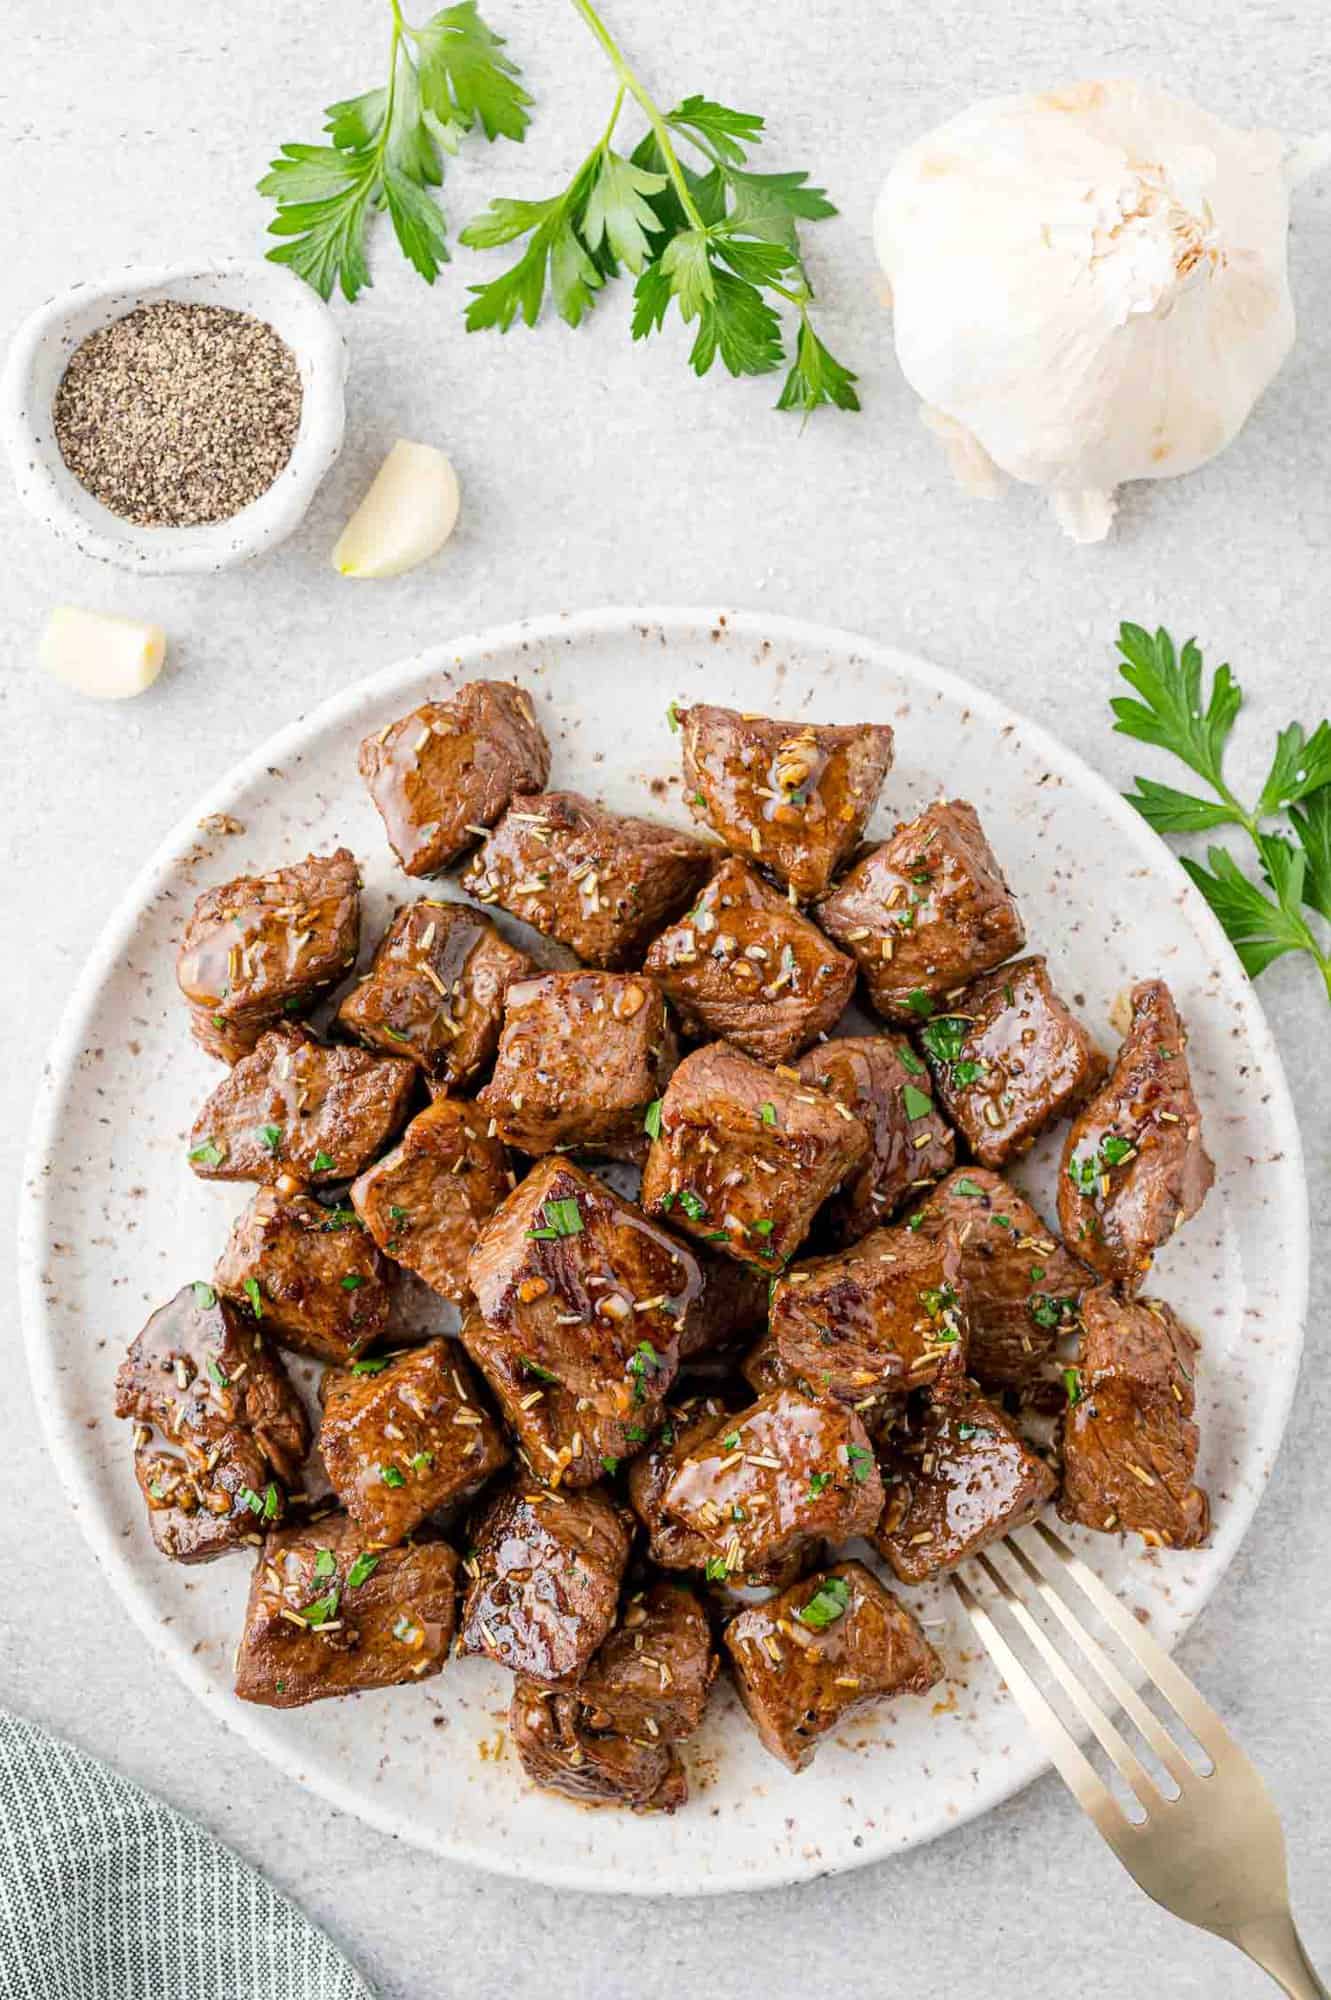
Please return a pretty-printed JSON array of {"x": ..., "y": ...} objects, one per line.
[{"x": 597, "y": 472}]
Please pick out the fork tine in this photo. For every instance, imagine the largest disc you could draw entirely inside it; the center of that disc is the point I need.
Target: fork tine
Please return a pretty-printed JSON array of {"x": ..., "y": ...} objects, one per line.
[
  {"x": 1111, "y": 1741},
  {"x": 1174, "y": 1685},
  {"x": 1076, "y": 1771},
  {"x": 1159, "y": 1738}
]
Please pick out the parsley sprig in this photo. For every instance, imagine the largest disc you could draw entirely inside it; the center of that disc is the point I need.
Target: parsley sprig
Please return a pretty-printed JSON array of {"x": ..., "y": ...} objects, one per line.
[
  {"x": 387, "y": 148},
  {"x": 718, "y": 242},
  {"x": 1176, "y": 712}
]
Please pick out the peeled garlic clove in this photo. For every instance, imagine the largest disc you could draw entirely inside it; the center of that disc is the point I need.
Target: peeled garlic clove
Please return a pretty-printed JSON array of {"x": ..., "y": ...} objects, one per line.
[
  {"x": 101, "y": 655},
  {"x": 408, "y": 514}
]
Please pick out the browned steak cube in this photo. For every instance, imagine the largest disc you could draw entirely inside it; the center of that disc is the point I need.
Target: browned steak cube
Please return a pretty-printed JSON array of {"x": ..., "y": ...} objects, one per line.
[
  {"x": 443, "y": 774},
  {"x": 1129, "y": 1441},
  {"x": 794, "y": 795},
  {"x": 1010, "y": 1060},
  {"x": 882, "y": 1318},
  {"x": 957, "y": 1477},
  {"x": 545, "y": 1576},
  {"x": 265, "y": 947},
  {"x": 808, "y": 1660},
  {"x": 1022, "y": 1289},
  {"x": 926, "y": 911},
  {"x": 586, "y": 1287},
  {"x": 560, "y": 1752},
  {"x": 764, "y": 1370},
  {"x": 882, "y": 1080},
  {"x": 329, "y": 1616},
  {"x": 426, "y": 1202},
  {"x": 435, "y": 991},
  {"x": 220, "y": 1435},
  {"x": 562, "y": 1440},
  {"x": 1134, "y": 1166},
  {"x": 310, "y": 1273},
  {"x": 733, "y": 1306},
  {"x": 404, "y": 1437},
  {"x": 600, "y": 882},
  {"x": 746, "y": 1156},
  {"x": 786, "y": 1472},
  {"x": 745, "y": 966},
  {"x": 294, "y": 1107},
  {"x": 651, "y": 1676},
  {"x": 582, "y": 1055}
]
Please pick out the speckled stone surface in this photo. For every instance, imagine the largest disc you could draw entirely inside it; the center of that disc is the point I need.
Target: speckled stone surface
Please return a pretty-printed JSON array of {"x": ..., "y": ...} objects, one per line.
[{"x": 593, "y": 472}]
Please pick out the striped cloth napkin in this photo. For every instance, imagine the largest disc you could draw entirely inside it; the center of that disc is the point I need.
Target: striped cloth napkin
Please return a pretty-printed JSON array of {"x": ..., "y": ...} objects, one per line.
[{"x": 107, "y": 1894}]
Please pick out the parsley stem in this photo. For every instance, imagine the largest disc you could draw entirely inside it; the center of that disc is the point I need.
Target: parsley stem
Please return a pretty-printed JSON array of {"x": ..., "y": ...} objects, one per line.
[{"x": 638, "y": 91}]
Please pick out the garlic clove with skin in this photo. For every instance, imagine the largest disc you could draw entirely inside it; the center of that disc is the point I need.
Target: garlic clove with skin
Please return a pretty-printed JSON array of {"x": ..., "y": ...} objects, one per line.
[{"x": 1089, "y": 286}]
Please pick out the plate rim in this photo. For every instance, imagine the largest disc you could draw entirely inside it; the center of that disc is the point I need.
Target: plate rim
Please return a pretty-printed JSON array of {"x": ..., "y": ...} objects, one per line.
[{"x": 530, "y": 633}]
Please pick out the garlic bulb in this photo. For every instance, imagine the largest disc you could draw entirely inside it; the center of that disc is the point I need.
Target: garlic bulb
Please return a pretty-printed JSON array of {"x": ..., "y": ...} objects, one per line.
[{"x": 1089, "y": 286}]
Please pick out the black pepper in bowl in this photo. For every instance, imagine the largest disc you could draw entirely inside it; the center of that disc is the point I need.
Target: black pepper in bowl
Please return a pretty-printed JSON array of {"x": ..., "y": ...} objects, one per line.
[{"x": 179, "y": 414}]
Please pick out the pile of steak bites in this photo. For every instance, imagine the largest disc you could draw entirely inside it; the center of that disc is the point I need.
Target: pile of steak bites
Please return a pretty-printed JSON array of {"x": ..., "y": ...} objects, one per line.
[{"x": 826, "y": 1324}]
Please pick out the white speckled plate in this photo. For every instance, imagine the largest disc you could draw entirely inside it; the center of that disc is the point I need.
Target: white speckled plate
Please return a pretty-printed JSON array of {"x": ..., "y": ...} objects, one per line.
[{"x": 113, "y": 1222}]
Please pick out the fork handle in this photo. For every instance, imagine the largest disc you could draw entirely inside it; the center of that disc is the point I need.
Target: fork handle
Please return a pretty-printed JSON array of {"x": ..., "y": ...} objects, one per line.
[{"x": 1274, "y": 1944}]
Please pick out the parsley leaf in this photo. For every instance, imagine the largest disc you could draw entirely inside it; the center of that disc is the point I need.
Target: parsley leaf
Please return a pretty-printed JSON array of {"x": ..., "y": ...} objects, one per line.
[
  {"x": 829, "y": 1602},
  {"x": 444, "y": 78},
  {"x": 1177, "y": 714}
]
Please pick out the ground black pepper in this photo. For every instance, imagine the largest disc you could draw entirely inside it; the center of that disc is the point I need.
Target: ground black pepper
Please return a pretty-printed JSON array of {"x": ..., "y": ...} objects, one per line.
[{"x": 179, "y": 414}]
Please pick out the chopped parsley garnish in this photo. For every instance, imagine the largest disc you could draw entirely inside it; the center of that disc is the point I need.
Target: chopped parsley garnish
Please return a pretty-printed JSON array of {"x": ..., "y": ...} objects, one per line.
[
  {"x": 768, "y": 1114},
  {"x": 610, "y": 1465},
  {"x": 214, "y": 1369},
  {"x": 730, "y": 1442},
  {"x": 352, "y": 1281},
  {"x": 965, "y": 1432},
  {"x": 1115, "y": 1150},
  {"x": 325, "y": 1563},
  {"x": 917, "y": 1104},
  {"x": 204, "y": 1295},
  {"x": 374, "y": 1366},
  {"x": 651, "y": 1119},
  {"x": 716, "y": 1569},
  {"x": 1072, "y": 1384},
  {"x": 643, "y": 1359},
  {"x": 269, "y": 1501},
  {"x": 1046, "y": 1310},
  {"x": 818, "y": 1483},
  {"x": 938, "y": 1299},
  {"x": 909, "y": 1061},
  {"x": 971, "y": 1189},
  {"x": 693, "y": 1205},
  {"x": 672, "y": 716},
  {"x": 364, "y": 1566},
  {"x": 764, "y": 1226},
  {"x": 269, "y": 1137},
  {"x": 397, "y": 1214},
  {"x": 391, "y": 1476},
  {"x": 1085, "y": 1172},
  {"x": 920, "y": 1003},
  {"x": 1037, "y": 1272},
  {"x": 250, "y": 1287},
  {"x": 964, "y": 1074},
  {"x": 637, "y": 1435},
  {"x": 944, "y": 1037},
  {"x": 395, "y": 1034},
  {"x": 916, "y": 1222},
  {"x": 860, "y": 1461},
  {"x": 209, "y": 1154},
  {"x": 323, "y": 1610},
  {"x": 530, "y": 1367},
  {"x": 562, "y": 1218},
  {"x": 337, "y": 1219},
  {"x": 829, "y": 1602},
  {"x": 249, "y": 1498},
  {"x": 323, "y": 1163},
  {"x": 422, "y": 1461}
]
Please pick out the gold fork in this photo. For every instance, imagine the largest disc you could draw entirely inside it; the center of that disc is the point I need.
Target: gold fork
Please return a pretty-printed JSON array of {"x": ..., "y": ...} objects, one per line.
[{"x": 1214, "y": 1854}]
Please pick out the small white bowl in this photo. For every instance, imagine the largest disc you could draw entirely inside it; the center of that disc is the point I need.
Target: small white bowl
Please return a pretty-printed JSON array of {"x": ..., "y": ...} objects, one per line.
[{"x": 39, "y": 354}]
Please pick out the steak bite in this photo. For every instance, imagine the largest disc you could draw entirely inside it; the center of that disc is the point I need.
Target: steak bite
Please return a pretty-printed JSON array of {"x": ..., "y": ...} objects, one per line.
[
  {"x": 581, "y": 1057},
  {"x": 310, "y": 1273},
  {"x": 924, "y": 912},
  {"x": 746, "y": 1156},
  {"x": 1010, "y": 1060},
  {"x": 733, "y": 1306},
  {"x": 882, "y": 1080},
  {"x": 1129, "y": 1441},
  {"x": 786, "y": 1472},
  {"x": 443, "y": 774},
  {"x": 881, "y": 1318},
  {"x": 1134, "y": 1166},
  {"x": 295, "y": 1107},
  {"x": 795, "y": 796},
  {"x": 220, "y": 1435},
  {"x": 822, "y": 1651},
  {"x": 545, "y": 1576},
  {"x": 957, "y": 1477},
  {"x": 1022, "y": 1289},
  {"x": 561, "y": 1752},
  {"x": 651, "y": 1676},
  {"x": 435, "y": 991},
  {"x": 407, "y": 1438},
  {"x": 328, "y": 1616},
  {"x": 264, "y": 947},
  {"x": 586, "y": 1288},
  {"x": 743, "y": 965},
  {"x": 426, "y": 1202},
  {"x": 685, "y": 1425},
  {"x": 600, "y": 882},
  {"x": 562, "y": 1440}
]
